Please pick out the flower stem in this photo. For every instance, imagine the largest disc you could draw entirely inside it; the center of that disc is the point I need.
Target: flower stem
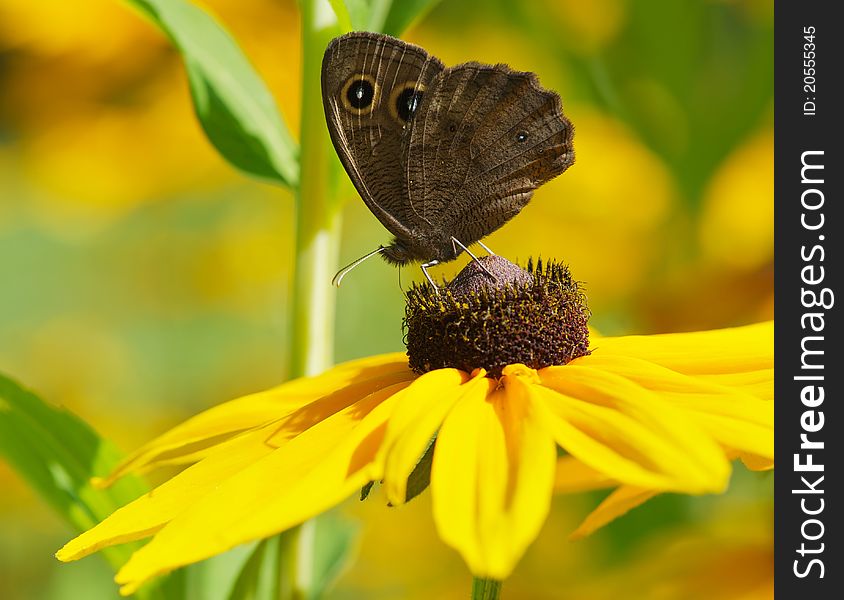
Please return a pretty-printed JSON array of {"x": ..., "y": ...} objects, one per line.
[
  {"x": 316, "y": 248},
  {"x": 295, "y": 576},
  {"x": 317, "y": 208},
  {"x": 485, "y": 589}
]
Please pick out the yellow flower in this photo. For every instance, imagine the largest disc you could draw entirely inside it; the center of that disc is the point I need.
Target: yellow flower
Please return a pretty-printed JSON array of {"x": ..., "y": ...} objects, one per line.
[{"x": 647, "y": 413}]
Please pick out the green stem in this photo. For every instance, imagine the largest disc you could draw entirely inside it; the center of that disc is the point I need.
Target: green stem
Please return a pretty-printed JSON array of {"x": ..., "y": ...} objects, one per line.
[
  {"x": 317, "y": 208},
  {"x": 295, "y": 575},
  {"x": 485, "y": 589},
  {"x": 317, "y": 243}
]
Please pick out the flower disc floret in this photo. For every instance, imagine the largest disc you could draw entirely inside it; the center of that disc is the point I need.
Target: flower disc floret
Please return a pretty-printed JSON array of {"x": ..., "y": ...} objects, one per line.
[{"x": 495, "y": 313}]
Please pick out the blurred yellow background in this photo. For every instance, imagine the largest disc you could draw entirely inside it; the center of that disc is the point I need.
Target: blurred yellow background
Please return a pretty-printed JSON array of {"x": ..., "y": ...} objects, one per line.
[{"x": 143, "y": 279}]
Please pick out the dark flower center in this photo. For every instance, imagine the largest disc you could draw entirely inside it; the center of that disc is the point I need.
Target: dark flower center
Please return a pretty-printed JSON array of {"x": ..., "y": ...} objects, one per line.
[{"x": 494, "y": 313}]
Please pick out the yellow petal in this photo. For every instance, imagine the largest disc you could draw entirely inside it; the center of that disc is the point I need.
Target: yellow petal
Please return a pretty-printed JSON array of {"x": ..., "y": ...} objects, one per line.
[
  {"x": 734, "y": 418},
  {"x": 756, "y": 383},
  {"x": 627, "y": 432},
  {"x": 620, "y": 502},
  {"x": 492, "y": 479},
  {"x": 190, "y": 440},
  {"x": 414, "y": 421},
  {"x": 149, "y": 513},
  {"x": 733, "y": 350},
  {"x": 757, "y": 463},
  {"x": 574, "y": 476},
  {"x": 306, "y": 476}
]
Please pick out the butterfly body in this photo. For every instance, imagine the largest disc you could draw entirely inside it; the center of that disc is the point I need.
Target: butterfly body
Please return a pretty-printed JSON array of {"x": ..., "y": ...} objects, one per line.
[{"x": 441, "y": 156}]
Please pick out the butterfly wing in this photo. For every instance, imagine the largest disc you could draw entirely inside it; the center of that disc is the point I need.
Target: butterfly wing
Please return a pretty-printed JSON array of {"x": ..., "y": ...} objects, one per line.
[
  {"x": 486, "y": 138},
  {"x": 370, "y": 85}
]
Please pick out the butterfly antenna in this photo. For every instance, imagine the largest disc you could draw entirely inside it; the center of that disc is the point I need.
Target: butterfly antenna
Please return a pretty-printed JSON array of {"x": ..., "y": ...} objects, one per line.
[
  {"x": 486, "y": 248},
  {"x": 338, "y": 278},
  {"x": 475, "y": 258}
]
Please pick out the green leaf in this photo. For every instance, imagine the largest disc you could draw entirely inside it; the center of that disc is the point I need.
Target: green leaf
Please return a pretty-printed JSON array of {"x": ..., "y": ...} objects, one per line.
[
  {"x": 403, "y": 14},
  {"x": 365, "y": 490},
  {"x": 246, "y": 572},
  {"x": 343, "y": 11},
  {"x": 359, "y": 15},
  {"x": 264, "y": 570},
  {"x": 334, "y": 541},
  {"x": 57, "y": 454},
  {"x": 256, "y": 578},
  {"x": 234, "y": 106},
  {"x": 384, "y": 16},
  {"x": 420, "y": 477}
]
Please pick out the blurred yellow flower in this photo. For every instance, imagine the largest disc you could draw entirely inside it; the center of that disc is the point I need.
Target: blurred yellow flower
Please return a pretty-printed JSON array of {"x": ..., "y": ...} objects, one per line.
[
  {"x": 736, "y": 545},
  {"x": 659, "y": 413},
  {"x": 120, "y": 81},
  {"x": 737, "y": 223}
]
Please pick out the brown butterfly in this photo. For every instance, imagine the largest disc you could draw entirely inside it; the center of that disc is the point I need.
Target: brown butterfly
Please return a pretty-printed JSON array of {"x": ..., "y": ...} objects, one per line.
[{"x": 441, "y": 156}]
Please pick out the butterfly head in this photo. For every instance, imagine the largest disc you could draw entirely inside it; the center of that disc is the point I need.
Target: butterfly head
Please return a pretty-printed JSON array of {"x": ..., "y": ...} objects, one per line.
[{"x": 398, "y": 253}]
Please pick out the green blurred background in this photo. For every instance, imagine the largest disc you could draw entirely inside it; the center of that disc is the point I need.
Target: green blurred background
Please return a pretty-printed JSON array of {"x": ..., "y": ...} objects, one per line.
[{"x": 142, "y": 279}]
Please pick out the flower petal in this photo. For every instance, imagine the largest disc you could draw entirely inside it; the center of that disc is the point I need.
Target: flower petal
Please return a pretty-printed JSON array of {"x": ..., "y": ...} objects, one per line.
[
  {"x": 573, "y": 476},
  {"x": 492, "y": 478},
  {"x": 414, "y": 421},
  {"x": 733, "y": 350},
  {"x": 734, "y": 418},
  {"x": 757, "y": 463},
  {"x": 191, "y": 440},
  {"x": 618, "y": 503},
  {"x": 627, "y": 432},
  {"x": 756, "y": 383},
  {"x": 311, "y": 473},
  {"x": 149, "y": 513},
  {"x": 268, "y": 494}
]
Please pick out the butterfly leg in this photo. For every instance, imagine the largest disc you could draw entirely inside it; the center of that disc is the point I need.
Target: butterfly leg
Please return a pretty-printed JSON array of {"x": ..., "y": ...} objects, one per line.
[
  {"x": 425, "y": 266},
  {"x": 454, "y": 241}
]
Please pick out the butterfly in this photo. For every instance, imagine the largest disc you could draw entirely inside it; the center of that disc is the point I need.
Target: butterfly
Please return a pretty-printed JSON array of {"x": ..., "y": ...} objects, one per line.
[{"x": 442, "y": 156}]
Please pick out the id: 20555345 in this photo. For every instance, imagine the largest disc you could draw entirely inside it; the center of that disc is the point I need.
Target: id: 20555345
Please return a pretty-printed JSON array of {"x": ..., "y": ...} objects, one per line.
[{"x": 809, "y": 81}]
